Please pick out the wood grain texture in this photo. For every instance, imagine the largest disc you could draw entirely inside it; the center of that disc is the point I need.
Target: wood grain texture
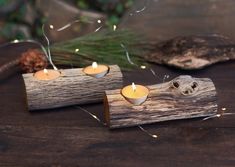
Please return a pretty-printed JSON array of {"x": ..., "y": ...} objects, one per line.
[
  {"x": 182, "y": 98},
  {"x": 192, "y": 52},
  {"x": 71, "y": 88}
]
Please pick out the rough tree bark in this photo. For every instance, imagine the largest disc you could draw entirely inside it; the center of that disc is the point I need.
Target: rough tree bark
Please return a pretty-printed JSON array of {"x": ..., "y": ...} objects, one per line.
[
  {"x": 192, "y": 52},
  {"x": 71, "y": 88},
  {"x": 183, "y": 97}
]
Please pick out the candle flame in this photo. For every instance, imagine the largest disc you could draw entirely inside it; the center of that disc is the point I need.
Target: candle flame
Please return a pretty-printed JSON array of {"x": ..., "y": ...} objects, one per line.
[
  {"x": 45, "y": 71},
  {"x": 133, "y": 86},
  {"x": 94, "y": 65}
]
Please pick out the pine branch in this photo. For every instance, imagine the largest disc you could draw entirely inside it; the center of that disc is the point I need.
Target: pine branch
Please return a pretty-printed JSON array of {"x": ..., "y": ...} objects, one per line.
[{"x": 103, "y": 47}]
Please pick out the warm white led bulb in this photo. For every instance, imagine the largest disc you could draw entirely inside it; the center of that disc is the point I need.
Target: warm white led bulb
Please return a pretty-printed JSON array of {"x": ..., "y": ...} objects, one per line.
[
  {"x": 16, "y": 41},
  {"x": 51, "y": 26},
  {"x": 114, "y": 27}
]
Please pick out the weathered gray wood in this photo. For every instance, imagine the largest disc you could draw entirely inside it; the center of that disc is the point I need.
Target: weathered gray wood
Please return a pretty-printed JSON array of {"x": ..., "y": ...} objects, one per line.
[
  {"x": 192, "y": 52},
  {"x": 183, "y": 97},
  {"x": 73, "y": 87}
]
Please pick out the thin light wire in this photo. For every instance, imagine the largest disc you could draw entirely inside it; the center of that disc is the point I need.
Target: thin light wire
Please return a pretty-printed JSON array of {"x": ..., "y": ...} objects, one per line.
[
  {"x": 96, "y": 30},
  {"x": 104, "y": 124},
  {"x": 58, "y": 30},
  {"x": 132, "y": 63},
  {"x": 48, "y": 48},
  {"x": 67, "y": 25},
  {"x": 76, "y": 21},
  {"x": 92, "y": 115},
  {"x": 142, "y": 9},
  {"x": 217, "y": 116},
  {"x": 147, "y": 132},
  {"x": 165, "y": 77},
  {"x": 154, "y": 74},
  {"x": 27, "y": 41},
  {"x": 35, "y": 42},
  {"x": 127, "y": 55}
]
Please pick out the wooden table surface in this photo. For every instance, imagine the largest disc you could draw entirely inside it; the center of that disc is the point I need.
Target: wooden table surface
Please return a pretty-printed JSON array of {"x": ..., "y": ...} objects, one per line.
[{"x": 70, "y": 137}]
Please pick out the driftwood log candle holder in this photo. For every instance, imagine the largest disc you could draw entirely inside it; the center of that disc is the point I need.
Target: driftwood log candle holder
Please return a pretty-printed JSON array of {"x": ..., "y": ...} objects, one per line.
[
  {"x": 183, "y": 97},
  {"x": 71, "y": 88}
]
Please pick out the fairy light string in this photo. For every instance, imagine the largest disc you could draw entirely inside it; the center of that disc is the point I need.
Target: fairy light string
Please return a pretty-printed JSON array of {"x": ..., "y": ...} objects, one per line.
[
  {"x": 27, "y": 41},
  {"x": 128, "y": 59},
  {"x": 147, "y": 132},
  {"x": 218, "y": 115},
  {"x": 45, "y": 51},
  {"x": 132, "y": 63},
  {"x": 165, "y": 77},
  {"x": 141, "y": 9},
  {"x": 48, "y": 48},
  {"x": 127, "y": 55},
  {"x": 92, "y": 115},
  {"x": 96, "y": 30},
  {"x": 67, "y": 25},
  {"x": 77, "y": 21}
]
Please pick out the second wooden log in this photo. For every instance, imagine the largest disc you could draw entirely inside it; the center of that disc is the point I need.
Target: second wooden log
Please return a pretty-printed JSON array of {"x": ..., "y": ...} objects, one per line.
[
  {"x": 182, "y": 98},
  {"x": 71, "y": 88}
]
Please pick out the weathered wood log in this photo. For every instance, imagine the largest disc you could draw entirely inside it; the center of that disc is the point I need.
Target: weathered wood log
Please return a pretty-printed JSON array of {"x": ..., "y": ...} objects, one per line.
[
  {"x": 71, "y": 88},
  {"x": 183, "y": 97},
  {"x": 192, "y": 52}
]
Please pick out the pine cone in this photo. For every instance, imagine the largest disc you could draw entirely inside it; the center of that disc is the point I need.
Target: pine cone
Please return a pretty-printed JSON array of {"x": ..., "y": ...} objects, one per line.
[{"x": 33, "y": 60}]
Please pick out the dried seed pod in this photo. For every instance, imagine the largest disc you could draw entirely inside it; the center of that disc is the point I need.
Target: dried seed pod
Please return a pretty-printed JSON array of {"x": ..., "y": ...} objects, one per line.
[{"x": 33, "y": 60}]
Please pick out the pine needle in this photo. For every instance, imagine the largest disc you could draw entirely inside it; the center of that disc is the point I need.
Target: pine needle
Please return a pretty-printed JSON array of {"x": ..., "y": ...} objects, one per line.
[{"x": 103, "y": 47}]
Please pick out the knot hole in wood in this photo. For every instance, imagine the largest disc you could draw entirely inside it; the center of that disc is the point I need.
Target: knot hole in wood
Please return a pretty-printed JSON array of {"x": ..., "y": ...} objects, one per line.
[{"x": 185, "y": 85}]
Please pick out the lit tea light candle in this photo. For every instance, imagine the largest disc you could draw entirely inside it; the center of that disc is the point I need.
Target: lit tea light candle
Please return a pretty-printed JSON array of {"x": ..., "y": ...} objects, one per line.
[
  {"x": 47, "y": 74},
  {"x": 96, "y": 70},
  {"x": 135, "y": 94}
]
